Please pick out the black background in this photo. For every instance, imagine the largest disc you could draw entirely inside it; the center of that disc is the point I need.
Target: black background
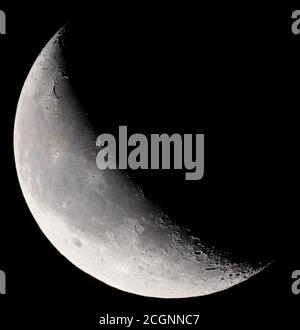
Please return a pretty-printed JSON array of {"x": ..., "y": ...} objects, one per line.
[{"x": 241, "y": 81}]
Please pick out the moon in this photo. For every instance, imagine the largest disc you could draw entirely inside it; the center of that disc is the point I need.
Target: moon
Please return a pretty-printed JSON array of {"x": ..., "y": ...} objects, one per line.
[{"x": 101, "y": 221}]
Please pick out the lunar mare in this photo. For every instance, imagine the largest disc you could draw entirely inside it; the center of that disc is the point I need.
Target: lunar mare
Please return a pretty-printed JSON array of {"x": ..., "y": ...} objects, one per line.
[{"x": 100, "y": 220}]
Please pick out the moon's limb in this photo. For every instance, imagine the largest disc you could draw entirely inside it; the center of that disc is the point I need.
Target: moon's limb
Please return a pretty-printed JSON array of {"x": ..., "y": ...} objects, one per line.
[{"x": 98, "y": 219}]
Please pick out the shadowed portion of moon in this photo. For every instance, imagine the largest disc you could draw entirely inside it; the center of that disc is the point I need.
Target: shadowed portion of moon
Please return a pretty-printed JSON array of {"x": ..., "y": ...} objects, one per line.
[{"x": 101, "y": 220}]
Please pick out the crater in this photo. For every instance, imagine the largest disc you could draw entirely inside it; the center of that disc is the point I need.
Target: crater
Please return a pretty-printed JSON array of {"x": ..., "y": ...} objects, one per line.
[{"x": 77, "y": 242}]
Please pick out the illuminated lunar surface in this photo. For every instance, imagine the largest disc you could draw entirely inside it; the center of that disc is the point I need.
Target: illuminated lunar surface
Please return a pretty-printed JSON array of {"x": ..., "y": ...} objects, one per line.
[{"x": 99, "y": 220}]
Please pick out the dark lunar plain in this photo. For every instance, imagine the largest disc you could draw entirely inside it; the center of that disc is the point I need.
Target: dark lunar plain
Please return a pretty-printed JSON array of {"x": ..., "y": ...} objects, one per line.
[{"x": 226, "y": 72}]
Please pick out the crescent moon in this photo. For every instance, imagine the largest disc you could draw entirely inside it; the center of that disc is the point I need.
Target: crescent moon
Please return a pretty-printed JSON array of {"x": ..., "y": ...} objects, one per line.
[{"x": 99, "y": 220}]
